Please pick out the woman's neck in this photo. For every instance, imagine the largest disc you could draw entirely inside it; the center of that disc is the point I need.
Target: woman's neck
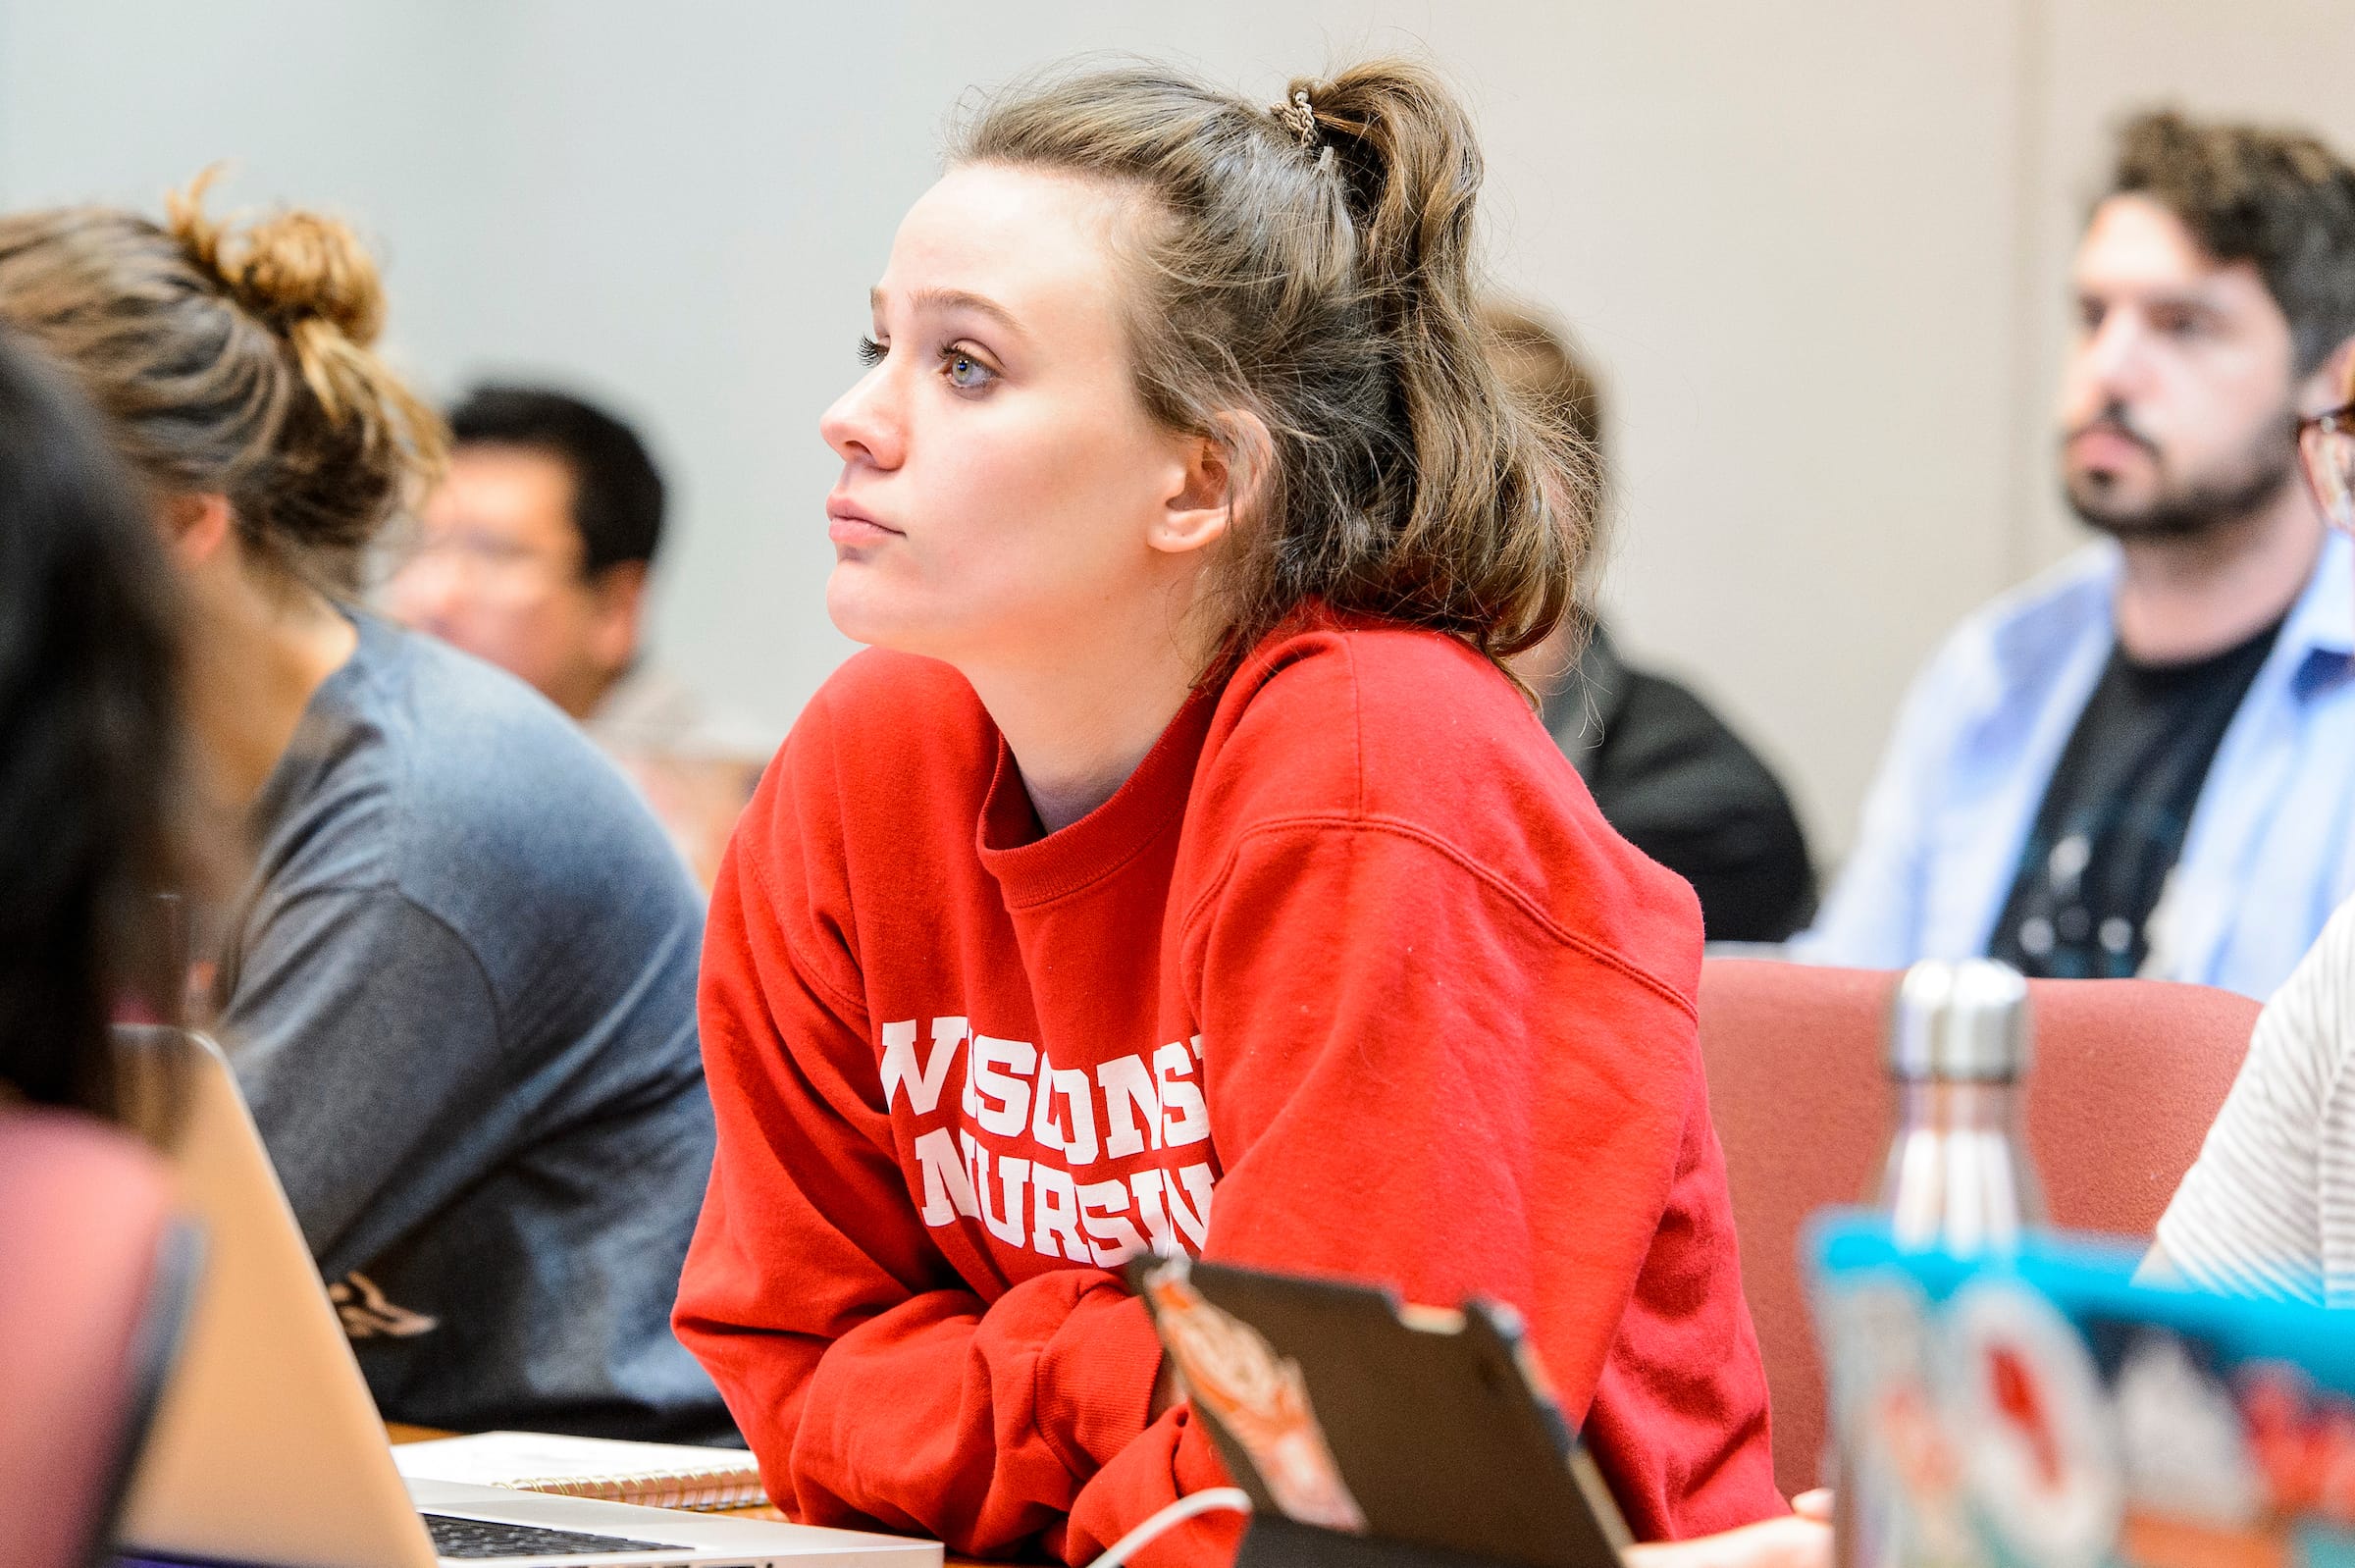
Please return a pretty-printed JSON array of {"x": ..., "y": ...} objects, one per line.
[
  {"x": 1080, "y": 719},
  {"x": 261, "y": 651}
]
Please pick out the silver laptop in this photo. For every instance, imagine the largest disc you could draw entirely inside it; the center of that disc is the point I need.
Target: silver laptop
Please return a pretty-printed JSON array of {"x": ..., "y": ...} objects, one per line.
[{"x": 267, "y": 1448}]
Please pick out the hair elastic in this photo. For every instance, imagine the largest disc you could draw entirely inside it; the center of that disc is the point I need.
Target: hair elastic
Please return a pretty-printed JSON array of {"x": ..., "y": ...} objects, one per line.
[{"x": 1298, "y": 117}]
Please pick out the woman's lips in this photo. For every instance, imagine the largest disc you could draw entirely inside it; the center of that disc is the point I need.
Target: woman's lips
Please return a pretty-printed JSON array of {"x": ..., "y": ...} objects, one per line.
[{"x": 847, "y": 525}]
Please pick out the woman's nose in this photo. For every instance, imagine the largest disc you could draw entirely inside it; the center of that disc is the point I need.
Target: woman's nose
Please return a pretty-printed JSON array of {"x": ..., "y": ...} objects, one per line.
[{"x": 864, "y": 423}]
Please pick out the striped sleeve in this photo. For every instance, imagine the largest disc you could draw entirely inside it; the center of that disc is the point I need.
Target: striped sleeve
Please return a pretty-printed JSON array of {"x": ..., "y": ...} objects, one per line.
[{"x": 2252, "y": 1212}]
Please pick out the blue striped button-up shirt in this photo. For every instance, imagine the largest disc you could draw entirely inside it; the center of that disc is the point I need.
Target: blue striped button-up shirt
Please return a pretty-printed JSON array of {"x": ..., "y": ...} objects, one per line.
[{"x": 2270, "y": 852}]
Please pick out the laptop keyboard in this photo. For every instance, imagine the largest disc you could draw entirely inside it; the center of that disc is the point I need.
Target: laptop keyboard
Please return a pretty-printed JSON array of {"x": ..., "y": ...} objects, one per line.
[{"x": 485, "y": 1537}]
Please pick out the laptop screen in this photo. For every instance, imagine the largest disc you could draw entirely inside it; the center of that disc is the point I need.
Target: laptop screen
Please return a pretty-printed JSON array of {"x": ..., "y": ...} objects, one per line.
[{"x": 2049, "y": 1409}]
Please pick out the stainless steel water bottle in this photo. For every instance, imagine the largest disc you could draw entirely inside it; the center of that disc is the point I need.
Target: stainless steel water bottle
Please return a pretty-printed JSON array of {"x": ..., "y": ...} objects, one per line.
[{"x": 1959, "y": 1176}]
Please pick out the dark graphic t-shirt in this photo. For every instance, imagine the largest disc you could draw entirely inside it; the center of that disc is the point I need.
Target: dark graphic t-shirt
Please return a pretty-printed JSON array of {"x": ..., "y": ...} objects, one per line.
[{"x": 2115, "y": 815}]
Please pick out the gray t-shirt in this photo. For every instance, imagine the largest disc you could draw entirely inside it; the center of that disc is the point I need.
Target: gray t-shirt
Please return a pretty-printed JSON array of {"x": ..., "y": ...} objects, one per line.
[{"x": 459, "y": 994}]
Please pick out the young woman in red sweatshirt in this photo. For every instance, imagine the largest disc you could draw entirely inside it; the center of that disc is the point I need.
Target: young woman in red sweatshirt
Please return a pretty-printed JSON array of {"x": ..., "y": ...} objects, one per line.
[{"x": 1180, "y": 868}]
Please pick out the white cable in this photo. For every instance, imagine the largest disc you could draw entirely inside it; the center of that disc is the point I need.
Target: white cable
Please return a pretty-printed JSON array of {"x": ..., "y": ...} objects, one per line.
[{"x": 1216, "y": 1500}]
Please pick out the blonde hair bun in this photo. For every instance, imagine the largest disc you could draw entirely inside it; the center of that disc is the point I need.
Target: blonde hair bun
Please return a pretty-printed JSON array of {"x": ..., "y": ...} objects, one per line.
[
  {"x": 307, "y": 277},
  {"x": 299, "y": 266},
  {"x": 233, "y": 356},
  {"x": 291, "y": 267}
]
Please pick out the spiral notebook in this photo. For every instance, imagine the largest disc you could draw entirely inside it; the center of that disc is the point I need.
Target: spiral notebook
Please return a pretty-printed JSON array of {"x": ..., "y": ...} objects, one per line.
[{"x": 652, "y": 1474}]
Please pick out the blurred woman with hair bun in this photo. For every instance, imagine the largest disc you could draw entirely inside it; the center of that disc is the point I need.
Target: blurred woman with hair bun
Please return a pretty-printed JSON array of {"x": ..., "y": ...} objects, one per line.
[{"x": 457, "y": 984}]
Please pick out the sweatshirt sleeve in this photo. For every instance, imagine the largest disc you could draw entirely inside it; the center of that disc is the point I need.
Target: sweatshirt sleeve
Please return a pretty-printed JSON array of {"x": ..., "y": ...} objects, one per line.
[
  {"x": 1391, "y": 1033},
  {"x": 872, "y": 1385}
]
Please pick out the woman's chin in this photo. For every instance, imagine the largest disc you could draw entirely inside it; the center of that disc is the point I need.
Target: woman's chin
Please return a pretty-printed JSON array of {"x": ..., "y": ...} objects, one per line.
[{"x": 858, "y": 613}]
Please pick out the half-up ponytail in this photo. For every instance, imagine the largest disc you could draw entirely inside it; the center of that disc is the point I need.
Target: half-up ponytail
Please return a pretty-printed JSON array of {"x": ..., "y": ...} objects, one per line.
[
  {"x": 1318, "y": 269},
  {"x": 232, "y": 359}
]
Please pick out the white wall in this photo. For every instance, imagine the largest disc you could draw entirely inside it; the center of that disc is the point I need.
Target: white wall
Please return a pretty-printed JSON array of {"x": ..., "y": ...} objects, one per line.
[{"x": 1818, "y": 247}]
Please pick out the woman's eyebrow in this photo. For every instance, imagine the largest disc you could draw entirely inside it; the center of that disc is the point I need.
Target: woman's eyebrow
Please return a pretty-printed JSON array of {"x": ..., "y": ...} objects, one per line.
[{"x": 952, "y": 299}]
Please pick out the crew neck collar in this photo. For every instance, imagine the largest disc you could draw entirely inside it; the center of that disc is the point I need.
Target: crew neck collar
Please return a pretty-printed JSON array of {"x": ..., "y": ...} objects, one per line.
[{"x": 1035, "y": 870}]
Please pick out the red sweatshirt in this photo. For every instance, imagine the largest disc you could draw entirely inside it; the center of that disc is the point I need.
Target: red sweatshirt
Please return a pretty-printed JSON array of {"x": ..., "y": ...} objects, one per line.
[{"x": 1349, "y": 977}]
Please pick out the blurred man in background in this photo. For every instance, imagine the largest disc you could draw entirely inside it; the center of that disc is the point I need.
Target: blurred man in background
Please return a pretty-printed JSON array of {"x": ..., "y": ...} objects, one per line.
[
  {"x": 1663, "y": 768},
  {"x": 535, "y": 555},
  {"x": 2140, "y": 762}
]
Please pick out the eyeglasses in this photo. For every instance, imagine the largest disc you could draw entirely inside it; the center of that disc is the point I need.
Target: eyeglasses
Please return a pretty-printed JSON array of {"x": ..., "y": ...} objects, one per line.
[
  {"x": 477, "y": 553},
  {"x": 2326, "y": 451}
]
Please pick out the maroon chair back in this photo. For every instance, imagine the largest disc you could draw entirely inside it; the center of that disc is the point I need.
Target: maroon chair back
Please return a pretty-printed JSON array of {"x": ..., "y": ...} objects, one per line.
[
  {"x": 85, "y": 1246},
  {"x": 2126, "y": 1077}
]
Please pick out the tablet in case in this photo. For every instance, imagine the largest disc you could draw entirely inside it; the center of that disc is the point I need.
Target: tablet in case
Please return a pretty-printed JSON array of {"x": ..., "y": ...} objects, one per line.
[{"x": 1376, "y": 1434}]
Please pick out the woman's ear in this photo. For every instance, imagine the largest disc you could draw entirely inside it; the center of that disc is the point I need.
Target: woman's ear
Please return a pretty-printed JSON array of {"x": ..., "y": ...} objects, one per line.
[
  {"x": 1221, "y": 478},
  {"x": 196, "y": 526}
]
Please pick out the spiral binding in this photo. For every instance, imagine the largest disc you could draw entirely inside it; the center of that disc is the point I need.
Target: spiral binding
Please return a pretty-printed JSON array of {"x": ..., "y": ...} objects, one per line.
[{"x": 702, "y": 1491}]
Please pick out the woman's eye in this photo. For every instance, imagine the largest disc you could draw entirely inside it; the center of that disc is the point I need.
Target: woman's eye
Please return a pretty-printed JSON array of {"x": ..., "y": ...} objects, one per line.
[
  {"x": 871, "y": 352},
  {"x": 965, "y": 372}
]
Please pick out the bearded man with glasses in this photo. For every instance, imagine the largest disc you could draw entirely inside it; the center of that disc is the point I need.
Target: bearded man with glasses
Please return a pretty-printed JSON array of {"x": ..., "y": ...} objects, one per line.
[{"x": 2143, "y": 762}]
